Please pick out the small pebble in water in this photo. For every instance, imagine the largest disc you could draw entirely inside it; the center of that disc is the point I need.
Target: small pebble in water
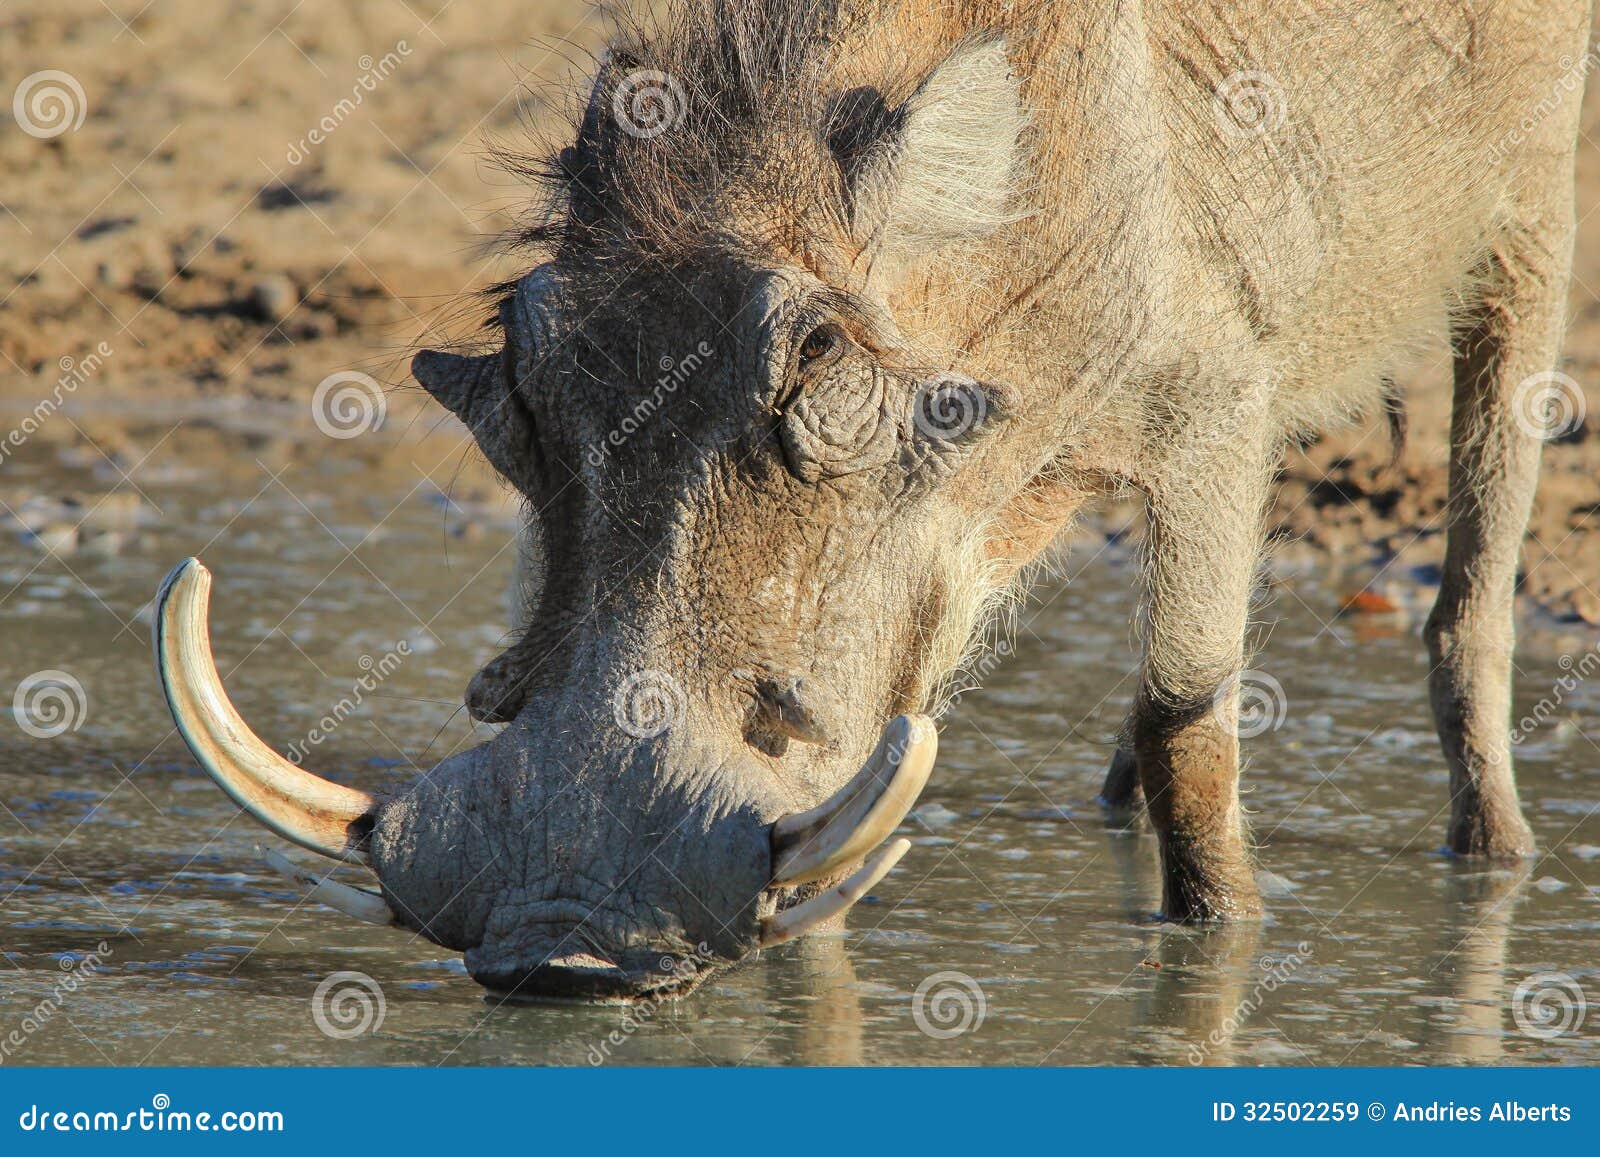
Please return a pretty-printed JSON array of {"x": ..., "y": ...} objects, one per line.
[
  {"x": 934, "y": 815},
  {"x": 1272, "y": 884}
]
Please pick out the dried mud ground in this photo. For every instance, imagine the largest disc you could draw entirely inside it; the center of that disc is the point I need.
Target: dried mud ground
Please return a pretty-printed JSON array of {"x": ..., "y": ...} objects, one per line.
[{"x": 230, "y": 262}]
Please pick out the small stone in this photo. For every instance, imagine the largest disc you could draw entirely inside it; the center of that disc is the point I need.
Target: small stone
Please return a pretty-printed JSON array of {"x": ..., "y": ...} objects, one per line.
[
  {"x": 934, "y": 815},
  {"x": 1274, "y": 886},
  {"x": 1549, "y": 884},
  {"x": 1367, "y": 602},
  {"x": 119, "y": 511},
  {"x": 113, "y": 273},
  {"x": 194, "y": 244},
  {"x": 1586, "y": 605},
  {"x": 274, "y": 298},
  {"x": 105, "y": 543},
  {"x": 56, "y": 538}
]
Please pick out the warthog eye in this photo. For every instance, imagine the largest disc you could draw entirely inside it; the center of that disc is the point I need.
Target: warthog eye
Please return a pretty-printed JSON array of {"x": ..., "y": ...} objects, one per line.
[{"x": 821, "y": 345}]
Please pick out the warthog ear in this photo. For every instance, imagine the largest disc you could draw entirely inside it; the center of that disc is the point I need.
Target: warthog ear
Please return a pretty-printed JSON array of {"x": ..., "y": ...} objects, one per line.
[
  {"x": 580, "y": 163},
  {"x": 476, "y": 390},
  {"x": 941, "y": 168}
]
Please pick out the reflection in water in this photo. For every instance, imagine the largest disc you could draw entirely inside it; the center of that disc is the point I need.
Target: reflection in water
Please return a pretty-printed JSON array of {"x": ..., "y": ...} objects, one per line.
[
  {"x": 1470, "y": 968},
  {"x": 823, "y": 990},
  {"x": 1208, "y": 985},
  {"x": 1016, "y": 886}
]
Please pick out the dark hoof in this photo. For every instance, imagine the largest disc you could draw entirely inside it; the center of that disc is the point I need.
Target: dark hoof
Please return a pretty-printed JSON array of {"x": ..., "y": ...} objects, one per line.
[
  {"x": 1122, "y": 795},
  {"x": 1512, "y": 842}
]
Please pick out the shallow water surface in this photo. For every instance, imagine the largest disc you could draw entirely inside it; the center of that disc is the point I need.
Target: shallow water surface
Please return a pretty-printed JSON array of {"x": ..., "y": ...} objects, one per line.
[{"x": 1015, "y": 932}]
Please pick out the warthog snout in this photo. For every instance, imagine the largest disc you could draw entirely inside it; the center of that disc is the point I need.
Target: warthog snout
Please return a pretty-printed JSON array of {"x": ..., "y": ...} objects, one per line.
[{"x": 562, "y": 868}]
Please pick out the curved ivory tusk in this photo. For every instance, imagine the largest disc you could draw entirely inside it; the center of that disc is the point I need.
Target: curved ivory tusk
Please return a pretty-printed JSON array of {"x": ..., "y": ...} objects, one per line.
[
  {"x": 821, "y": 908},
  {"x": 812, "y": 845},
  {"x": 368, "y": 907},
  {"x": 314, "y": 813}
]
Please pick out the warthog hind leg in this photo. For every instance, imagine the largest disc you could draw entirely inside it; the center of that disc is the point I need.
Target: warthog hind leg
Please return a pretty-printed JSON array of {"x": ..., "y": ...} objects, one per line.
[{"x": 1507, "y": 345}]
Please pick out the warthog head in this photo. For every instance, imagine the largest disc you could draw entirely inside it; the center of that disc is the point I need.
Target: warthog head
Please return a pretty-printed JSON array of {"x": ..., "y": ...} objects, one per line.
[{"x": 772, "y": 499}]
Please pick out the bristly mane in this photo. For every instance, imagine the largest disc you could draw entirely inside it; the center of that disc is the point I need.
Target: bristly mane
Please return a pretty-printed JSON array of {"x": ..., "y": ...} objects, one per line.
[
  {"x": 725, "y": 81},
  {"x": 750, "y": 92}
]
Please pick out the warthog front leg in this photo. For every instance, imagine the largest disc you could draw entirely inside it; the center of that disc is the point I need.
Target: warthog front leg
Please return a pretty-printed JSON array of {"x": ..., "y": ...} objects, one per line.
[
  {"x": 1506, "y": 349},
  {"x": 1204, "y": 544}
]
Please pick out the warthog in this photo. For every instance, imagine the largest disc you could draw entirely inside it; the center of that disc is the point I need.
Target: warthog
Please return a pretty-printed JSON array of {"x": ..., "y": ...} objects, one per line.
[{"x": 843, "y": 309}]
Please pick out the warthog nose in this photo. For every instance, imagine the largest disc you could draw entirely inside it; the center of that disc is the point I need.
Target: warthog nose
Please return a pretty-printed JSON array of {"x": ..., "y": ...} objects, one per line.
[{"x": 788, "y": 707}]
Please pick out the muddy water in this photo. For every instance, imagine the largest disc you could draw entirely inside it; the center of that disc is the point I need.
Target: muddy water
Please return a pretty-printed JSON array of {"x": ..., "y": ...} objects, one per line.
[{"x": 1020, "y": 915}]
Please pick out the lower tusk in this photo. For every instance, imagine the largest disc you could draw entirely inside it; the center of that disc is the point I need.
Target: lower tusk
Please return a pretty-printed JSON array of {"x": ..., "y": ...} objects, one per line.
[
  {"x": 836, "y": 901},
  {"x": 368, "y": 907},
  {"x": 303, "y": 808},
  {"x": 819, "y": 843}
]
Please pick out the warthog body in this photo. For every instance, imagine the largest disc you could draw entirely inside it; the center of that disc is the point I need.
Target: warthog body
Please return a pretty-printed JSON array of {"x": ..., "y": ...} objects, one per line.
[{"x": 845, "y": 309}]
